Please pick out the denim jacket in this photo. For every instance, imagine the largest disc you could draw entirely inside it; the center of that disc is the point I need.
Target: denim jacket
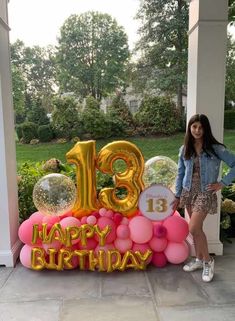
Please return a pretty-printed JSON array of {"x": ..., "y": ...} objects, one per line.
[{"x": 209, "y": 169}]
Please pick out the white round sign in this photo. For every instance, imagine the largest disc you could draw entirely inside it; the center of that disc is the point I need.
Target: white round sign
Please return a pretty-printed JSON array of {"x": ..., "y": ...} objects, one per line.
[{"x": 155, "y": 202}]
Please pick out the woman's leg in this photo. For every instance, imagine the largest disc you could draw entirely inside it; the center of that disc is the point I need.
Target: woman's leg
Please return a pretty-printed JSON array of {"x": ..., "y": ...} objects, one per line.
[{"x": 199, "y": 237}]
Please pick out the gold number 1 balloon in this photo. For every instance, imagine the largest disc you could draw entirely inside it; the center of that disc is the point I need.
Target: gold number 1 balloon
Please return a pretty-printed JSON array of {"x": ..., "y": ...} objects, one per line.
[
  {"x": 83, "y": 156},
  {"x": 130, "y": 179}
]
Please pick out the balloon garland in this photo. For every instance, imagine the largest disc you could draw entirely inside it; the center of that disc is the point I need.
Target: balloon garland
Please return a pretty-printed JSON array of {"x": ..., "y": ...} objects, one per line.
[{"x": 74, "y": 228}]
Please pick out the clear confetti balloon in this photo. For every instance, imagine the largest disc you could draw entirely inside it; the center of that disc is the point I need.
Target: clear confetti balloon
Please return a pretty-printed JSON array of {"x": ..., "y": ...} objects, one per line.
[
  {"x": 160, "y": 170},
  {"x": 54, "y": 194}
]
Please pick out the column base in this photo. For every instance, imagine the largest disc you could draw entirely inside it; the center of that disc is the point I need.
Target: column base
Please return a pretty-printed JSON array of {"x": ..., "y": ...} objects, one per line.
[
  {"x": 215, "y": 247},
  {"x": 9, "y": 257}
]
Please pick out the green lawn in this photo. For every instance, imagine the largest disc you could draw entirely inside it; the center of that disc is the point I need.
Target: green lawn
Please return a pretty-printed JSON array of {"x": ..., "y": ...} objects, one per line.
[{"x": 150, "y": 146}]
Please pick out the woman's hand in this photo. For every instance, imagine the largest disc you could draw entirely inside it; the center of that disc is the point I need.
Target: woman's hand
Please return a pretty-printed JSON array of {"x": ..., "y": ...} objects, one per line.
[
  {"x": 215, "y": 187},
  {"x": 175, "y": 203}
]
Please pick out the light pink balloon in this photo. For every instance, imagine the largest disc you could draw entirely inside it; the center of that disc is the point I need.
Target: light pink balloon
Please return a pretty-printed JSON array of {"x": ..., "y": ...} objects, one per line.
[
  {"x": 177, "y": 228},
  {"x": 102, "y": 223},
  {"x": 141, "y": 229},
  {"x": 159, "y": 259},
  {"x": 123, "y": 232},
  {"x": 70, "y": 221},
  {"x": 158, "y": 244},
  {"x": 25, "y": 233},
  {"x": 105, "y": 248},
  {"x": 91, "y": 220},
  {"x": 176, "y": 253},
  {"x": 25, "y": 255},
  {"x": 123, "y": 245}
]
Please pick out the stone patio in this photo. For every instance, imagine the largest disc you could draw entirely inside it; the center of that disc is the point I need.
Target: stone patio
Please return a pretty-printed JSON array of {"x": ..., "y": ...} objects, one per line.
[{"x": 167, "y": 294}]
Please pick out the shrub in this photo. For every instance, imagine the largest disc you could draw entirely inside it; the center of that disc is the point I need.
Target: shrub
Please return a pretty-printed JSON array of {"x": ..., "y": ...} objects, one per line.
[
  {"x": 229, "y": 119},
  {"x": 38, "y": 115},
  {"x": 119, "y": 117},
  {"x": 29, "y": 174},
  {"x": 157, "y": 115},
  {"x": 19, "y": 131},
  {"x": 45, "y": 133},
  {"x": 95, "y": 123},
  {"x": 29, "y": 132},
  {"x": 65, "y": 118}
]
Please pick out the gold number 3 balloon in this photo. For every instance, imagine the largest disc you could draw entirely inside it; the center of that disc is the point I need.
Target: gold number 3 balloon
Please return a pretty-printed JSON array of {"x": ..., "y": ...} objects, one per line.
[{"x": 130, "y": 179}]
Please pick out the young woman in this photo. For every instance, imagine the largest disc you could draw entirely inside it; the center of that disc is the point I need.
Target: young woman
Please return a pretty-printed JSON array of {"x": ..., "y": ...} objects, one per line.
[{"x": 197, "y": 184}]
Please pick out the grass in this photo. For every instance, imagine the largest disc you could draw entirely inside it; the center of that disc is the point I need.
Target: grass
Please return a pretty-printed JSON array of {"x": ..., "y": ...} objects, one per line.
[{"x": 149, "y": 146}]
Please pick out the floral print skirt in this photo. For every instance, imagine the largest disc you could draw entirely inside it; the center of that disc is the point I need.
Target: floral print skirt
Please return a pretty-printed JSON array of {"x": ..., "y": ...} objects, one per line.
[{"x": 201, "y": 202}]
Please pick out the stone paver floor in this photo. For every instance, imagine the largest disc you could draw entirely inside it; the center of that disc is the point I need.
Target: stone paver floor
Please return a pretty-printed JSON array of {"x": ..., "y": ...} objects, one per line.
[{"x": 167, "y": 294}]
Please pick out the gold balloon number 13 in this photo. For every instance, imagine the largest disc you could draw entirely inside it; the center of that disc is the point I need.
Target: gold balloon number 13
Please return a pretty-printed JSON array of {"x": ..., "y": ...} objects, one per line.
[{"x": 83, "y": 155}]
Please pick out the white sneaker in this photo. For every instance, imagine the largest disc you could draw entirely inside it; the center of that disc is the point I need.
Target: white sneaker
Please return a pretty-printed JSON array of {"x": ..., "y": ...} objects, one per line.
[
  {"x": 192, "y": 265},
  {"x": 208, "y": 270}
]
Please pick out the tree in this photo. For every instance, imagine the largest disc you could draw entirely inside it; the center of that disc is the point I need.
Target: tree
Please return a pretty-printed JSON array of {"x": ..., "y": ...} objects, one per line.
[
  {"x": 18, "y": 93},
  {"x": 92, "y": 54},
  {"x": 164, "y": 44},
  {"x": 230, "y": 74},
  {"x": 37, "y": 68}
]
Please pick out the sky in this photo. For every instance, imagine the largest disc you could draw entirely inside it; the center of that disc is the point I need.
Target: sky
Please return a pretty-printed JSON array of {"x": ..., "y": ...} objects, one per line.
[{"x": 37, "y": 22}]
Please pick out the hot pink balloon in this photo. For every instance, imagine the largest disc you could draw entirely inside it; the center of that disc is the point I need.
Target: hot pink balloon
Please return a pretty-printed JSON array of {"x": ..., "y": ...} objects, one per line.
[
  {"x": 25, "y": 233},
  {"x": 91, "y": 244},
  {"x": 176, "y": 213},
  {"x": 117, "y": 218},
  {"x": 177, "y": 228},
  {"x": 142, "y": 248},
  {"x": 102, "y": 223},
  {"x": 123, "y": 245},
  {"x": 159, "y": 259},
  {"x": 141, "y": 229},
  {"x": 123, "y": 232},
  {"x": 158, "y": 244},
  {"x": 159, "y": 230},
  {"x": 176, "y": 253}
]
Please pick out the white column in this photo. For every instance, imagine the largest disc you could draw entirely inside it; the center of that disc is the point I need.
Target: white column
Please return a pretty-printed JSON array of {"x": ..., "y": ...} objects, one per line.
[
  {"x": 9, "y": 243},
  {"x": 206, "y": 79}
]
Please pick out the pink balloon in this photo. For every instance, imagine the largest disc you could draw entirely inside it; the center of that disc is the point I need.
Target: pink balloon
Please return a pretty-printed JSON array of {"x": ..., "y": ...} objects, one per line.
[
  {"x": 25, "y": 233},
  {"x": 84, "y": 220},
  {"x": 106, "y": 248},
  {"x": 158, "y": 244},
  {"x": 159, "y": 230},
  {"x": 70, "y": 221},
  {"x": 123, "y": 245},
  {"x": 125, "y": 221},
  {"x": 177, "y": 228},
  {"x": 53, "y": 245},
  {"x": 176, "y": 252},
  {"x": 141, "y": 229},
  {"x": 159, "y": 259},
  {"x": 109, "y": 213},
  {"x": 75, "y": 259},
  {"x": 102, "y": 223},
  {"x": 142, "y": 248},
  {"x": 91, "y": 244},
  {"x": 123, "y": 232},
  {"x": 50, "y": 220},
  {"x": 176, "y": 213},
  {"x": 37, "y": 218}
]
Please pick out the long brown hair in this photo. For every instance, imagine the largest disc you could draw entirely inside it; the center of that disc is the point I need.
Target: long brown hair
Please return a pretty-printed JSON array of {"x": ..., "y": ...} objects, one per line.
[{"x": 208, "y": 138}]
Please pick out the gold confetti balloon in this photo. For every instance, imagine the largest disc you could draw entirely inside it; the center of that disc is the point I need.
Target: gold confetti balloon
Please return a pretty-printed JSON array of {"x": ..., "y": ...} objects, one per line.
[
  {"x": 160, "y": 170},
  {"x": 54, "y": 194}
]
